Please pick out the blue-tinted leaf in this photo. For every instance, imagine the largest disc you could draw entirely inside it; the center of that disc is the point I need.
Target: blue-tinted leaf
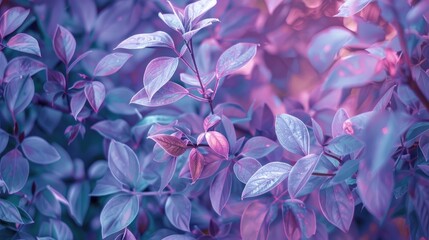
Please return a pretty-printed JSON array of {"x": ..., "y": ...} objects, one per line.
[
  {"x": 171, "y": 144},
  {"x": 26, "y": 218},
  {"x": 344, "y": 145},
  {"x": 110, "y": 64},
  {"x": 78, "y": 197},
  {"x": 60, "y": 230},
  {"x": 47, "y": 204},
  {"x": 424, "y": 146},
  {"x": 20, "y": 67},
  {"x": 97, "y": 169},
  {"x": 292, "y": 134},
  {"x": 147, "y": 40},
  {"x": 337, "y": 205},
  {"x": 196, "y": 164},
  {"x": 199, "y": 26},
  {"x": 12, "y": 19},
  {"x": 118, "y": 213},
  {"x": 76, "y": 103},
  {"x": 123, "y": 163},
  {"x": 266, "y": 178},
  {"x": 337, "y": 123},
  {"x": 158, "y": 73},
  {"x": 172, "y": 21},
  {"x": 64, "y": 44},
  {"x": 58, "y": 196},
  {"x": 218, "y": 143},
  {"x": 168, "y": 173},
  {"x": 197, "y": 9},
  {"x": 85, "y": 12},
  {"x": 234, "y": 58},
  {"x": 77, "y": 60},
  {"x": 24, "y": 43},
  {"x": 18, "y": 94},
  {"x": 421, "y": 205},
  {"x": 107, "y": 185},
  {"x": 95, "y": 92},
  {"x": 178, "y": 237},
  {"x": 301, "y": 173},
  {"x": 347, "y": 170},
  {"x": 178, "y": 211},
  {"x": 4, "y": 139},
  {"x": 37, "y": 150},
  {"x": 220, "y": 190},
  {"x": 245, "y": 168},
  {"x": 385, "y": 100},
  {"x": 253, "y": 224},
  {"x": 14, "y": 170},
  {"x": 9, "y": 213},
  {"x": 353, "y": 71},
  {"x": 169, "y": 93},
  {"x": 118, "y": 130},
  {"x": 351, "y": 7},
  {"x": 325, "y": 46},
  {"x": 118, "y": 101},
  {"x": 299, "y": 222},
  {"x": 258, "y": 147},
  {"x": 416, "y": 130},
  {"x": 126, "y": 235},
  {"x": 318, "y": 132}
]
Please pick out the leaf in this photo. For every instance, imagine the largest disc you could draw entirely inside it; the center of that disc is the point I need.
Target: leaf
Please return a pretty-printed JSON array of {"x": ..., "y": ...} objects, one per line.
[
  {"x": 245, "y": 168},
  {"x": 199, "y": 26},
  {"x": 169, "y": 93},
  {"x": 337, "y": 123},
  {"x": 118, "y": 213},
  {"x": 12, "y": 19},
  {"x": 416, "y": 130},
  {"x": 258, "y": 147},
  {"x": 292, "y": 134},
  {"x": 168, "y": 173},
  {"x": 9, "y": 213},
  {"x": 253, "y": 224},
  {"x": 64, "y": 44},
  {"x": 178, "y": 211},
  {"x": 301, "y": 173},
  {"x": 344, "y": 145},
  {"x": 171, "y": 144},
  {"x": 158, "y": 72},
  {"x": 24, "y": 43},
  {"x": 197, "y": 9},
  {"x": 58, "y": 196},
  {"x": 147, "y": 40},
  {"x": 19, "y": 94},
  {"x": 77, "y": 60},
  {"x": 47, "y": 204},
  {"x": 266, "y": 178},
  {"x": 14, "y": 170},
  {"x": 347, "y": 170},
  {"x": 337, "y": 205},
  {"x": 220, "y": 190},
  {"x": 178, "y": 237},
  {"x": 218, "y": 143},
  {"x": 355, "y": 70},
  {"x": 78, "y": 197},
  {"x": 110, "y": 64},
  {"x": 234, "y": 58},
  {"x": 351, "y": 7},
  {"x": 325, "y": 45},
  {"x": 272, "y": 5},
  {"x": 318, "y": 132},
  {"x": 118, "y": 130},
  {"x": 299, "y": 222},
  {"x": 76, "y": 103},
  {"x": 21, "y": 67},
  {"x": 95, "y": 92},
  {"x": 421, "y": 205},
  {"x": 172, "y": 21},
  {"x": 196, "y": 164},
  {"x": 39, "y": 151},
  {"x": 26, "y": 218},
  {"x": 123, "y": 164},
  {"x": 4, "y": 140},
  {"x": 107, "y": 185}
]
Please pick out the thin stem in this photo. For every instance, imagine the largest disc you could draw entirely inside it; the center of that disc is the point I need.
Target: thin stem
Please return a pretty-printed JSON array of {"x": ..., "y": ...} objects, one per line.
[
  {"x": 332, "y": 156},
  {"x": 323, "y": 174},
  {"x": 197, "y": 98}
]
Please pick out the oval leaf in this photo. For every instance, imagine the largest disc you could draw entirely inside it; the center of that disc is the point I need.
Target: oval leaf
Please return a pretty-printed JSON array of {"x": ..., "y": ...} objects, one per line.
[
  {"x": 172, "y": 145},
  {"x": 220, "y": 190},
  {"x": 158, "y": 73},
  {"x": 110, "y": 64},
  {"x": 118, "y": 130},
  {"x": 258, "y": 147},
  {"x": 301, "y": 173},
  {"x": 14, "y": 170},
  {"x": 12, "y": 19},
  {"x": 169, "y": 93},
  {"x": 95, "y": 92},
  {"x": 19, "y": 94},
  {"x": 39, "y": 151},
  {"x": 218, "y": 143},
  {"x": 9, "y": 213},
  {"x": 292, "y": 134},
  {"x": 24, "y": 43},
  {"x": 234, "y": 58},
  {"x": 245, "y": 168},
  {"x": 196, "y": 164},
  {"x": 123, "y": 163},
  {"x": 178, "y": 211},
  {"x": 78, "y": 198},
  {"x": 147, "y": 40},
  {"x": 344, "y": 145},
  {"x": 64, "y": 44}
]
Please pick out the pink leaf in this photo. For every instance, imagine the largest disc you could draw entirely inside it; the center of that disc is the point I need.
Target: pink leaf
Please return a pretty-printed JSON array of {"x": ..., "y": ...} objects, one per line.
[
  {"x": 110, "y": 64},
  {"x": 218, "y": 143},
  {"x": 196, "y": 164},
  {"x": 95, "y": 93},
  {"x": 172, "y": 145},
  {"x": 24, "y": 43},
  {"x": 64, "y": 44},
  {"x": 12, "y": 19},
  {"x": 158, "y": 72}
]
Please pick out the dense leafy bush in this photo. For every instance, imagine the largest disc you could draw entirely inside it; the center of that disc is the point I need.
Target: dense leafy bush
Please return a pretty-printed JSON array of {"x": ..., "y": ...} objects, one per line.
[{"x": 275, "y": 119}]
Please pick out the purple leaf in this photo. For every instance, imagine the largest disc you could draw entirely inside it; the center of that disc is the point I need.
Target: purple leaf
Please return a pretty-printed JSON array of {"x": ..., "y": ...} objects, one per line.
[
  {"x": 301, "y": 173},
  {"x": 385, "y": 100},
  {"x": 337, "y": 205},
  {"x": 355, "y": 70},
  {"x": 266, "y": 178},
  {"x": 178, "y": 211},
  {"x": 170, "y": 93},
  {"x": 245, "y": 168},
  {"x": 253, "y": 224},
  {"x": 95, "y": 92},
  {"x": 20, "y": 67},
  {"x": 272, "y": 5},
  {"x": 178, "y": 237},
  {"x": 85, "y": 12},
  {"x": 220, "y": 190},
  {"x": 423, "y": 144},
  {"x": 258, "y": 147},
  {"x": 421, "y": 205},
  {"x": 78, "y": 197},
  {"x": 64, "y": 44},
  {"x": 9, "y": 213},
  {"x": 158, "y": 72},
  {"x": 77, "y": 60},
  {"x": 318, "y": 132},
  {"x": 4, "y": 139},
  {"x": 171, "y": 144},
  {"x": 234, "y": 58},
  {"x": 347, "y": 170},
  {"x": 147, "y": 40},
  {"x": 24, "y": 43},
  {"x": 118, "y": 213},
  {"x": 292, "y": 134},
  {"x": 199, "y": 26},
  {"x": 14, "y": 170},
  {"x": 211, "y": 121},
  {"x": 123, "y": 164},
  {"x": 299, "y": 222},
  {"x": 19, "y": 94},
  {"x": 218, "y": 143},
  {"x": 172, "y": 21},
  {"x": 351, "y": 7},
  {"x": 118, "y": 130},
  {"x": 107, "y": 185},
  {"x": 337, "y": 123},
  {"x": 344, "y": 145},
  {"x": 11, "y": 20},
  {"x": 197, "y": 9},
  {"x": 196, "y": 164},
  {"x": 193, "y": 80},
  {"x": 325, "y": 45},
  {"x": 110, "y": 64},
  {"x": 37, "y": 150},
  {"x": 76, "y": 103},
  {"x": 168, "y": 173},
  {"x": 47, "y": 204},
  {"x": 127, "y": 235}
]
